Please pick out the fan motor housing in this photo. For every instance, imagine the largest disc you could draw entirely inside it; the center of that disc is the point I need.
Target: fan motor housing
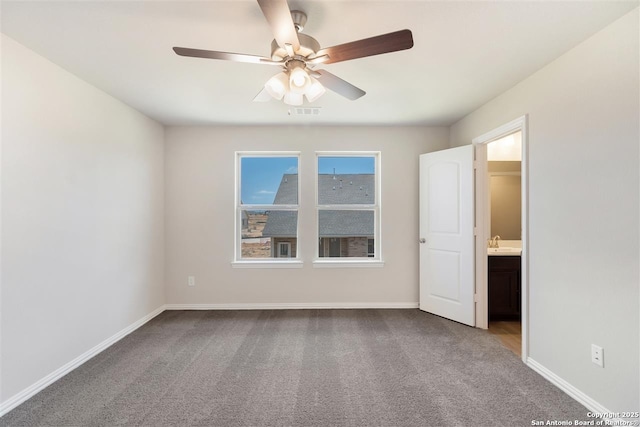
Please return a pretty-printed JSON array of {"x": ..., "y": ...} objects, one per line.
[{"x": 308, "y": 46}]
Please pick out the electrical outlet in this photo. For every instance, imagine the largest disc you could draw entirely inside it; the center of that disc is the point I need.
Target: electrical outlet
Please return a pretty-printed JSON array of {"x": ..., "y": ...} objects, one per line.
[
  {"x": 191, "y": 281},
  {"x": 597, "y": 355}
]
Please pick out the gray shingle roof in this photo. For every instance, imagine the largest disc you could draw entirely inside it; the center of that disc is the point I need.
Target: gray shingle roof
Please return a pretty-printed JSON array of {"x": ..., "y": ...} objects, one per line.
[
  {"x": 346, "y": 223},
  {"x": 281, "y": 224},
  {"x": 284, "y": 223},
  {"x": 344, "y": 189},
  {"x": 288, "y": 190}
]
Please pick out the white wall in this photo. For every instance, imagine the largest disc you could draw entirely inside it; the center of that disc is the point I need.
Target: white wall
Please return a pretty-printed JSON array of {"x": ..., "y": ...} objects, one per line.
[
  {"x": 199, "y": 205},
  {"x": 583, "y": 210},
  {"x": 82, "y": 217}
]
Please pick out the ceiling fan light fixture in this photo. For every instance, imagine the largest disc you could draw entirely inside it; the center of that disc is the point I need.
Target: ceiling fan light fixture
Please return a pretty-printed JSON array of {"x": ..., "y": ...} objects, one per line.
[
  {"x": 292, "y": 98},
  {"x": 315, "y": 90},
  {"x": 298, "y": 53},
  {"x": 299, "y": 80},
  {"x": 278, "y": 85}
]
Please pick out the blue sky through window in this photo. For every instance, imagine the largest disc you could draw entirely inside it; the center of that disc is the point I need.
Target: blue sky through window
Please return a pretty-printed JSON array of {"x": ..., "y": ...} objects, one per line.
[
  {"x": 261, "y": 176},
  {"x": 346, "y": 165}
]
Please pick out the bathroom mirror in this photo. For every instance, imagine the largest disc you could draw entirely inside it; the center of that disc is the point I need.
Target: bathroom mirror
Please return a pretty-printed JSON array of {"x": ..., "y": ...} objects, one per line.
[{"x": 505, "y": 186}]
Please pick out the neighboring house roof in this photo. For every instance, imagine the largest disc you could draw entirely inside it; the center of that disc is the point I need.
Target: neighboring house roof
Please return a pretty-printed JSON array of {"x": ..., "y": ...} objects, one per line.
[
  {"x": 281, "y": 224},
  {"x": 288, "y": 190},
  {"x": 346, "y": 223},
  {"x": 346, "y": 189},
  {"x": 339, "y": 189}
]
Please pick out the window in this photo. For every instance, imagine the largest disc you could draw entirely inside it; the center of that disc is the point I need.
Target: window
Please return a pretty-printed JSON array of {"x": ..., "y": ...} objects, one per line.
[
  {"x": 267, "y": 197},
  {"x": 348, "y": 204},
  {"x": 284, "y": 249}
]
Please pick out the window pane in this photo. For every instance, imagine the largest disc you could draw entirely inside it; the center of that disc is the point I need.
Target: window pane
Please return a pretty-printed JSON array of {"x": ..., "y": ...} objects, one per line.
[
  {"x": 269, "y": 180},
  {"x": 284, "y": 249},
  {"x": 346, "y": 180},
  {"x": 269, "y": 234},
  {"x": 345, "y": 233}
]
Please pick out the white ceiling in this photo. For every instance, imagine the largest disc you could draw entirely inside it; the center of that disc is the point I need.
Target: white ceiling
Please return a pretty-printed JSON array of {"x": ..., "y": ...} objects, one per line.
[{"x": 465, "y": 53}]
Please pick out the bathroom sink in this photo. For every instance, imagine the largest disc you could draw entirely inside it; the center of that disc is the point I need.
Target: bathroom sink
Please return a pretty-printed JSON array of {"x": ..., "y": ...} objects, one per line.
[{"x": 506, "y": 251}]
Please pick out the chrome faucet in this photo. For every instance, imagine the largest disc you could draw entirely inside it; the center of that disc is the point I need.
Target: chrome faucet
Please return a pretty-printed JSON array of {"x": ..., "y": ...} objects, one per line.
[{"x": 493, "y": 243}]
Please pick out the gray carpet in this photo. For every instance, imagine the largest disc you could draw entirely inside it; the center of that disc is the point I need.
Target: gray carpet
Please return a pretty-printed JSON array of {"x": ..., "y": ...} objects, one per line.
[{"x": 300, "y": 368}]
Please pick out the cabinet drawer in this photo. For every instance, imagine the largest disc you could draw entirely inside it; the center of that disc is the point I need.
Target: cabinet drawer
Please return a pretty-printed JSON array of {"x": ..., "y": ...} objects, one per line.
[{"x": 497, "y": 263}]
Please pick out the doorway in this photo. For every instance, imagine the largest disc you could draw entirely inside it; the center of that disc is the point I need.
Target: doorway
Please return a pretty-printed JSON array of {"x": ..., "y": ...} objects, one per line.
[{"x": 501, "y": 161}]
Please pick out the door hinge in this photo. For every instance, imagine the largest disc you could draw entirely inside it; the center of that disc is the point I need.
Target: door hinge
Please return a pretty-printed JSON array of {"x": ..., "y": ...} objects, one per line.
[
  {"x": 476, "y": 298},
  {"x": 475, "y": 164},
  {"x": 475, "y": 231}
]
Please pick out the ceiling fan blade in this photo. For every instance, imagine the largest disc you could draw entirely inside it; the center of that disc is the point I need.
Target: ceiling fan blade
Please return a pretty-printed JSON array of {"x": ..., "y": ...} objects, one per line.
[
  {"x": 279, "y": 18},
  {"x": 263, "y": 96},
  {"x": 385, "y": 43},
  {"x": 317, "y": 60},
  {"x": 227, "y": 56},
  {"x": 338, "y": 85}
]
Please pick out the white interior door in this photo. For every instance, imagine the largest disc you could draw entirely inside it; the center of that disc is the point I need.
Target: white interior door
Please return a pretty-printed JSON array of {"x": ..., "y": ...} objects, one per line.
[{"x": 447, "y": 258}]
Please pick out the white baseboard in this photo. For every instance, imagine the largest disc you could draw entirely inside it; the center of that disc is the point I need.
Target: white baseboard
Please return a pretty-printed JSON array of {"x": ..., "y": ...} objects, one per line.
[
  {"x": 291, "y": 306},
  {"x": 30, "y": 391},
  {"x": 578, "y": 395}
]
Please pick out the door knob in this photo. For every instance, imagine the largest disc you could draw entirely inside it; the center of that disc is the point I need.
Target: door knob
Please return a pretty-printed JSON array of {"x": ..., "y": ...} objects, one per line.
[{"x": 423, "y": 240}]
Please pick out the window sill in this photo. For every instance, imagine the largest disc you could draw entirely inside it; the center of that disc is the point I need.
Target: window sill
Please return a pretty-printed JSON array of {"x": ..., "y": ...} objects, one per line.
[
  {"x": 267, "y": 264},
  {"x": 347, "y": 264}
]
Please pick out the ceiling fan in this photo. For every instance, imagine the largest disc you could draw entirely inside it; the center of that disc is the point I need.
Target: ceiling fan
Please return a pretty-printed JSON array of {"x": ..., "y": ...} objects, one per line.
[{"x": 298, "y": 54}]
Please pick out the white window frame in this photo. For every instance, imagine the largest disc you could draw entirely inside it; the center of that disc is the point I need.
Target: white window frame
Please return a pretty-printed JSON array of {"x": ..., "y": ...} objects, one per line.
[
  {"x": 376, "y": 207},
  {"x": 273, "y": 262}
]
